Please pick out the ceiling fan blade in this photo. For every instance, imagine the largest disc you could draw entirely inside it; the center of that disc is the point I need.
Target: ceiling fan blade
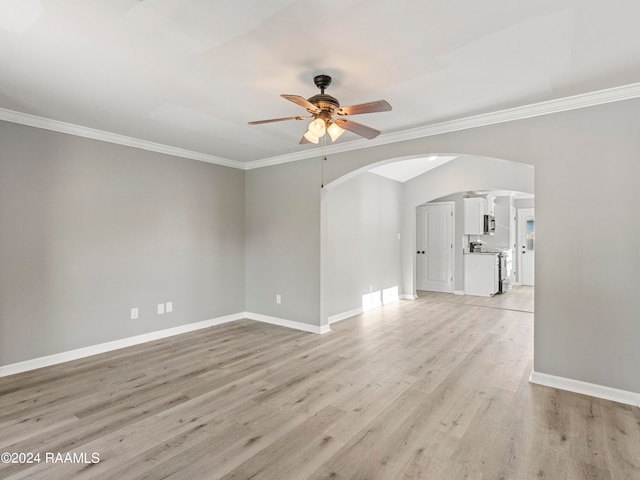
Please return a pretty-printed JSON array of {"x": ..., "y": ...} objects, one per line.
[
  {"x": 258, "y": 122},
  {"x": 357, "y": 128},
  {"x": 303, "y": 102},
  {"x": 370, "y": 107}
]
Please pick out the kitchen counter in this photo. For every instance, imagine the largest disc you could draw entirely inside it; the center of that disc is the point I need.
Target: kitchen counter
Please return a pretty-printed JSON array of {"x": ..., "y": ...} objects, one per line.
[{"x": 481, "y": 273}]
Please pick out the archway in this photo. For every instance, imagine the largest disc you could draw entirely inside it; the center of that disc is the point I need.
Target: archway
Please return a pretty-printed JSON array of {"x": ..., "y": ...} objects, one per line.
[{"x": 464, "y": 172}]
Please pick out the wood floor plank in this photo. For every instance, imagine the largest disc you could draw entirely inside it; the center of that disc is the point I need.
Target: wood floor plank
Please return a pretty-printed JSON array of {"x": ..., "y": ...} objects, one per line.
[{"x": 436, "y": 388}]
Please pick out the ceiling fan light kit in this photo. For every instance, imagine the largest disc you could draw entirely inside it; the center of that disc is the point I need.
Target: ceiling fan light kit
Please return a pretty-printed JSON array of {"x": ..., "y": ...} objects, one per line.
[
  {"x": 317, "y": 128},
  {"x": 310, "y": 137},
  {"x": 322, "y": 107},
  {"x": 334, "y": 131}
]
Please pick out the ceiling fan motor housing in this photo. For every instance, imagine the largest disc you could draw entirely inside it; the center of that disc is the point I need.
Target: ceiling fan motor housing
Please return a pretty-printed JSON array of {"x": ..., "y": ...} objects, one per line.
[{"x": 326, "y": 103}]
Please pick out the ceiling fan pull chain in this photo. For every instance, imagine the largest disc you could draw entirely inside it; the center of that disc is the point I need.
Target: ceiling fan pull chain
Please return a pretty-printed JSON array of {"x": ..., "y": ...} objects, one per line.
[{"x": 324, "y": 159}]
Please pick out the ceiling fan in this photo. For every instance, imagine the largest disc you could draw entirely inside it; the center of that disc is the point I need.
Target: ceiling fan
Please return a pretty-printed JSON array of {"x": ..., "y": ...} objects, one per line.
[{"x": 328, "y": 115}]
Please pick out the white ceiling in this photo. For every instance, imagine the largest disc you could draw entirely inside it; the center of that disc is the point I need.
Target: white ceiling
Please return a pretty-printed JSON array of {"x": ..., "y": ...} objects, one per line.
[
  {"x": 404, "y": 170},
  {"x": 191, "y": 73}
]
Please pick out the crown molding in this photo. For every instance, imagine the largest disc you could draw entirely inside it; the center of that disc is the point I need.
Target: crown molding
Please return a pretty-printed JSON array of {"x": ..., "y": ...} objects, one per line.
[
  {"x": 92, "y": 133},
  {"x": 600, "y": 97}
]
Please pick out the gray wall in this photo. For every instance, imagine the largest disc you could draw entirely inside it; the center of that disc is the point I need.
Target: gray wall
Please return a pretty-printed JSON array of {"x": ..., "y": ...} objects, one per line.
[
  {"x": 460, "y": 175},
  {"x": 460, "y": 240},
  {"x": 89, "y": 230},
  {"x": 69, "y": 279},
  {"x": 363, "y": 246},
  {"x": 586, "y": 168},
  {"x": 500, "y": 239},
  {"x": 524, "y": 203},
  {"x": 283, "y": 241}
]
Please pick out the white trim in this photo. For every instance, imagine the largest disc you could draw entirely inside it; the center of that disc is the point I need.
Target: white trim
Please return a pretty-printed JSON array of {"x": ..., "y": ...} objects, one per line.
[
  {"x": 390, "y": 300},
  {"x": 305, "y": 327},
  {"x": 344, "y": 315},
  {"x": 590, "y": 99},
  {"x": 408, "y": 296},
  {"x": 84, "y": 352},
  {"x": 458, "y": 292},
  {"x": 585, "y": 388},
  {"x": 86, "y": 132},
  {"x": 452, "y": 230},
  {"x": 520, "y": 220},
  {"x": 57, "y": 358}
]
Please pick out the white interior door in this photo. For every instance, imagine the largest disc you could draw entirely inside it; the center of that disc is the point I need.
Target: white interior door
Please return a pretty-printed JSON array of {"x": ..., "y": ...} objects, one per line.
[
  {"x": 434, "y": 252},
  {"x": 526, "y": 245}
]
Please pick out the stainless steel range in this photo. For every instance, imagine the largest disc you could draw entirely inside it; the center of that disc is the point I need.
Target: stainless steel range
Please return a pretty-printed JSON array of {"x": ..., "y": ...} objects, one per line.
[{"x": 505, "y": 267}]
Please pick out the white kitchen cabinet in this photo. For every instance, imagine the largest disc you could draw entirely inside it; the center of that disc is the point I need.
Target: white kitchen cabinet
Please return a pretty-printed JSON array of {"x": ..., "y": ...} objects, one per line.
[
  {"x": 491, "y": 205},
  {"x": 475, "y": 209},
  {"x": 481, "y": 275}
]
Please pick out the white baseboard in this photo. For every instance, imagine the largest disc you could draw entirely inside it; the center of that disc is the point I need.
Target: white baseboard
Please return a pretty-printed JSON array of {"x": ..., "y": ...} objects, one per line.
[
  {"x": 585, "y": 388},
  {"x": 305, "y": 327},
  {"x": 408, "y": 296},
  {"x": 386, "y": 300},
  {"x": 47, "y": 361},
  {"x": 458, "y": 292},
  {"x": 344, "y": 315},
  {"x": 76, "y": 354}
]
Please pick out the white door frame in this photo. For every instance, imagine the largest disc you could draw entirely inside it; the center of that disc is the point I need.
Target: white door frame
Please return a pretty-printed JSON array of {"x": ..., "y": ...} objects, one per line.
[
  {"x": 521, "y": 222},
  {"x": 452, "y": 236}
]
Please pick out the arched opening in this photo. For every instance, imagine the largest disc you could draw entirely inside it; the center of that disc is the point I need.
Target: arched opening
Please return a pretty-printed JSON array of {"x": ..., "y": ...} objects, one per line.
[{"x": 369, "y": 224}]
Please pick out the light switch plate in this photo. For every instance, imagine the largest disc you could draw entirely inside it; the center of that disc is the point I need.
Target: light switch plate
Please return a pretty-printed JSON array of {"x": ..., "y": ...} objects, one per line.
[
  {"x": 168, "y": 307},
  {"x": 134, "y": 313},
  {"x": 160, "y": 308}
]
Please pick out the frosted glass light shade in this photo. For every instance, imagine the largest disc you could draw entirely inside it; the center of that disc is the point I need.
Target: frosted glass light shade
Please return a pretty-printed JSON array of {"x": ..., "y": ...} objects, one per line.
[
  {"x": 335, "y": 131},
  {"x": 311, "y": 137},
  {"x": 317, "y": 127}
]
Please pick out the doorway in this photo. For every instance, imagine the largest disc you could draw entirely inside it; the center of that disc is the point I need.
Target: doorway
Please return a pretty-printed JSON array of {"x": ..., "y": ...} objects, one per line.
[
  {"x": 434, "y": 247},
  {"x": 526, "y": 246}
]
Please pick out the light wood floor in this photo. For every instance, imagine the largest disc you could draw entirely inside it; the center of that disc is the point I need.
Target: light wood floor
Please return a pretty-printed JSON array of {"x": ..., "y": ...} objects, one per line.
[{"x": 435, "y": 388}]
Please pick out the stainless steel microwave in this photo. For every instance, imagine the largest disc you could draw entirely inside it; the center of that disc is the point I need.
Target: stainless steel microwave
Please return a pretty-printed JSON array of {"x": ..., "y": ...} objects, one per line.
[{"x": 489, "y": 225}]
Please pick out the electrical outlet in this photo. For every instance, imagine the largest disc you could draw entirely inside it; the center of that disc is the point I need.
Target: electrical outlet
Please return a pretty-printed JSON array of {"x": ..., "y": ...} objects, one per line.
[
  {"x": 168, "y": 307},
  {"x": 160, "y": 308},
  {"x": 278, "y": 299},
  {"x": 134, "y": 313}
]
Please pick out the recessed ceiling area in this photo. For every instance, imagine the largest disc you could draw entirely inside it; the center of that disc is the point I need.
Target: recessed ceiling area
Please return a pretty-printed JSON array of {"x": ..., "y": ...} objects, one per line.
[
  {"x": 404, "y": 170},
  {"x": 190, "y": 74}
]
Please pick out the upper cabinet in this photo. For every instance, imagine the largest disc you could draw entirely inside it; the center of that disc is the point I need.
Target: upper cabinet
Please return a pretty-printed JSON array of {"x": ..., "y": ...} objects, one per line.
[
  {"x": 475, "y": 208},
  {"x": 491, "y": 205},
  {"x": 474, "y": 211}
]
